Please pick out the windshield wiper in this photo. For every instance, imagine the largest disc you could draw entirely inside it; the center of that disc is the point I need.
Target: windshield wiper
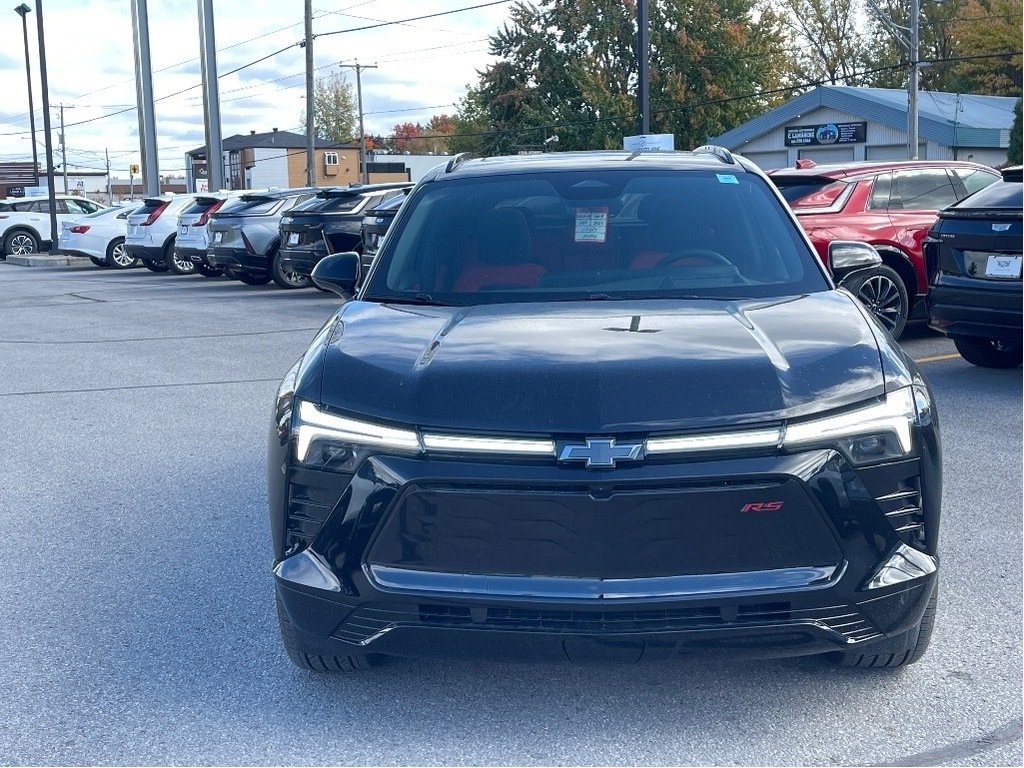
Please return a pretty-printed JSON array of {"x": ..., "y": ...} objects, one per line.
[{"x": 424, "y": 299}]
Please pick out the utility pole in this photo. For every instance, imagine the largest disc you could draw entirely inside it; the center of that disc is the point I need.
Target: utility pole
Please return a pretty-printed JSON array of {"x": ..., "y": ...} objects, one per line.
[
  {"x": 211, "y": 96},
  {"x": 110, "y": 195},
  {"x": 44, "y": 82},
  {"x": 310, "y": 128},
  {"x": 643, "y": 69},
  {"x": 915, "y": 25},
  {"x": 144, "y": 97},
  {"x": 63, "y": 150},
  {"x": 364, "y": 175},
  {"x": 22, "y": 10}
]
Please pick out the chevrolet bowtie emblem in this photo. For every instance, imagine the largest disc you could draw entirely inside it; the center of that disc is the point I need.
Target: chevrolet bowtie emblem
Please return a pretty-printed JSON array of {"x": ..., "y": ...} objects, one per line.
[{"x": 600, "y": 453}]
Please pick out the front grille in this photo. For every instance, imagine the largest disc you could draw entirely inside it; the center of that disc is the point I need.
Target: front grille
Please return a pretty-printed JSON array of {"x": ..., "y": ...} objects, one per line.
[
  {"x": 312, "y": 496},
  {"x": 367, "y": 621}
]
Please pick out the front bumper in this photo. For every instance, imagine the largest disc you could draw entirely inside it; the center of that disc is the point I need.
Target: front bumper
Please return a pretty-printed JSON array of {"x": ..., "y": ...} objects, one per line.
[
  {"x": 378, "y": 575},
  {"x": 959, "y": 308}
]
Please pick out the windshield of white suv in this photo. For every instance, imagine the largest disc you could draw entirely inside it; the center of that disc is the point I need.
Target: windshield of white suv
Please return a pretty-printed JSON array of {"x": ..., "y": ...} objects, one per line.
[{"x": 594, "y": 235}]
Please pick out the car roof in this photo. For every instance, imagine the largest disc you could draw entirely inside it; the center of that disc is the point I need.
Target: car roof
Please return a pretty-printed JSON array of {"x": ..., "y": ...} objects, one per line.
[
  {"x": 867, "y": 167},
  {"x": 585, "y": 161},
  {"x": 361, "y": 189}
]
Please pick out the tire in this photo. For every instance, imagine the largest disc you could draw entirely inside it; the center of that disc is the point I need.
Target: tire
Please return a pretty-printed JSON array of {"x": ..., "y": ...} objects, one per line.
[
  {"x": 208, "y": 271},
  {"x": 20, "y": 243},
  {"x": 152, "y": 266},
  {"x": 987, "y": 353},
  {"x": 117, "y": 256},
  {"x": 284, "y": 278},
  {"x": 176, "y": 264},
  {"x": 250, "y": 279},
  {"x": 102, "y": 263},
  {"x": 308, "y": 659},
  {"x": 899, "y": 651},
  {"x": 882, "y": 291}
]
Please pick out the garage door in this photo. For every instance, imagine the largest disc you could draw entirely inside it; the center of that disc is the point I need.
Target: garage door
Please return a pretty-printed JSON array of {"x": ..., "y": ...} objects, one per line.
[
  {"x": 767, "y": 161},
  {"x": 891, "y": 152},
  {"x": 828, "y": 155}
]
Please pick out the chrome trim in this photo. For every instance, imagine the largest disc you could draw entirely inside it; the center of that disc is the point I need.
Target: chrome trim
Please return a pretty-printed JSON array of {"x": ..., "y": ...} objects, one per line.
[
  {"x": 776, "y": 580},
  {"x": 724, "y": 441},
  {"x": 905, "y": 564},
  {"x": 309, "y": 570}
]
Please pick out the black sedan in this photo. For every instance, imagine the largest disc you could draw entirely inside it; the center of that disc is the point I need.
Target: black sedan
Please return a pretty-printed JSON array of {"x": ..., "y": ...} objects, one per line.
[
  {"x": 329, "y": 223},
  {"x": 602, "y": 406},
  {"x": 974, "y": 259}
]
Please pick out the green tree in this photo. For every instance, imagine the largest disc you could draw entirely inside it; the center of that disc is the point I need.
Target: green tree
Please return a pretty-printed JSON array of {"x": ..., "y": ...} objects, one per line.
[
  {"x": 569, "y": 68},
  {"x": 1013, "y": 154},
  {"x": 987, "y": 28},
  {"x": 887, "y": 45},
  {"x": 334, "y": 109},
  {"x": 827, "y": 42}
]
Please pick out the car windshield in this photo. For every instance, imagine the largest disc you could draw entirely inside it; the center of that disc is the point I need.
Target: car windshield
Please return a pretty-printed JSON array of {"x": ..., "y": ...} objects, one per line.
[{"x": 594, "y": 235}]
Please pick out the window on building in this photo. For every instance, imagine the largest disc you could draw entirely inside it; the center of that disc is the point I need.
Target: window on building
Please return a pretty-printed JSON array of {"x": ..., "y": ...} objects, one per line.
[{"x": 330, "y": 158}]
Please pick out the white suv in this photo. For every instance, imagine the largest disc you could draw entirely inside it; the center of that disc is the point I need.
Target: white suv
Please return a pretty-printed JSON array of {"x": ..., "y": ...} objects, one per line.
[
  {"x": 25, "y": 221},
  {"x": 152, "y": 230}
]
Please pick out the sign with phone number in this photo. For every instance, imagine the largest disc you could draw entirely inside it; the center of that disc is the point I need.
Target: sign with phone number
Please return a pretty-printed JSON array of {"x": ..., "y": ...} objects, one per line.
[{"x": 825, "y": 134}]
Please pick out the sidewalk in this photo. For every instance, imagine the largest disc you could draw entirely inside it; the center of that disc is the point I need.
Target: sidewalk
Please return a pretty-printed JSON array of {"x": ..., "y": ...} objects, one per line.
[{"x": 47, "y": 260}]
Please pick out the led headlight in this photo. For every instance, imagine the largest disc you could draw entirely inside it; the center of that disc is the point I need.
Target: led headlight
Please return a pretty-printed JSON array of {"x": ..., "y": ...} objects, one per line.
[
  {"x": 319, "y": 431},
  {"x": 877, "y": 432}
]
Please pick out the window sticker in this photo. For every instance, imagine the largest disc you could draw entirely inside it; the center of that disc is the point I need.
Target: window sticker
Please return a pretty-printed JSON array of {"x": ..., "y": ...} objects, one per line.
[
  {"x": 727, "y": 178},
  {"x": 591, "y": 225}
]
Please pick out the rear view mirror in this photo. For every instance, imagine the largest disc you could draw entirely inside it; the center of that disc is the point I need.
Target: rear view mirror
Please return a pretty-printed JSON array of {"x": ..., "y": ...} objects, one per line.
[
  {"x": 847, "y": 256},
  {"x": 338, "y": 272}
]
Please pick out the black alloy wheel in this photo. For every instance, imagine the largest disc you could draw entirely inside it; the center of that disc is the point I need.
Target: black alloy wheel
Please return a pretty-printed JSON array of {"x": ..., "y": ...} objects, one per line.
[
  {"x": 989, "y": 353},
  {"x": 883, "y": 293},
  {"x": 287, "y": 278}
]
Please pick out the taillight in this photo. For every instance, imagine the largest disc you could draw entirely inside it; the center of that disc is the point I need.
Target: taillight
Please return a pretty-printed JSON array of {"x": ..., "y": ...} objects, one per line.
[
  {"x": 155, "y": 214},
  {"x": 209, "y": 212},
  {"x": 80, "y": 229}
]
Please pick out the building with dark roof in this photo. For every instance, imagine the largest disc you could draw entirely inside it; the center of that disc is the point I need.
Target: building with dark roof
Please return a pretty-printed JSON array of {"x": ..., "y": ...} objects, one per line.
[
  {"x": 278, "y": 159},
  {"x": 836, "y": 124}
]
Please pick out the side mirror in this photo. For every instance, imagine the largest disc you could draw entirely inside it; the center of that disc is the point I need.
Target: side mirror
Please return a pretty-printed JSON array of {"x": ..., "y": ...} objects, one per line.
[
  {"x": 339, "y": 273},
  {"x": 847, "y": 256}
]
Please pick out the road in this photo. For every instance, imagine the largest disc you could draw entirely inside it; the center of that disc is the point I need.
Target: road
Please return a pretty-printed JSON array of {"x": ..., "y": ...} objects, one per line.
[{"x": 137, "y": 620}]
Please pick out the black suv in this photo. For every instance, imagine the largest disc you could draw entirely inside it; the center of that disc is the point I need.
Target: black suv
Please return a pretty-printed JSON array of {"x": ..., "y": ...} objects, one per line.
[
  {"x": 974, "y": 258},
  {"x": 376, "y": 224},
  {"x": 602, "y": 406},
  {"x": 330, "y": 223}
]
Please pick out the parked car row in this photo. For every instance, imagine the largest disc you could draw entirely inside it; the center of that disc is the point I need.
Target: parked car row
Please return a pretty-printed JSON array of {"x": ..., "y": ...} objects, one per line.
[
  {"x": 25, "y": 221},
  {"x": 888, "y": 205}
]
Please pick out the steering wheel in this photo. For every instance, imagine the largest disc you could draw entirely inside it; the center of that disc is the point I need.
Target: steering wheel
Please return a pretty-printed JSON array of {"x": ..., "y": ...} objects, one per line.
[{"x": 699, "y": 253}]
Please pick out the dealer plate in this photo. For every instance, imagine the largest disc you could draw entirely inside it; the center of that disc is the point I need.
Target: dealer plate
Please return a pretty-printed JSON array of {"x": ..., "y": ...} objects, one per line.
[
  {"x": 1003, "y": 266},
  {"x": 293, "y": 238},
  {"x": 218, "y": 236}
]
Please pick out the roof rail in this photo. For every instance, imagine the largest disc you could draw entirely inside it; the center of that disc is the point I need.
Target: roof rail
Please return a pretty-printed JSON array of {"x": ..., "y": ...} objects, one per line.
[
  {"x": 456, "y": 161},
  {"x": 721, "y": 153}
]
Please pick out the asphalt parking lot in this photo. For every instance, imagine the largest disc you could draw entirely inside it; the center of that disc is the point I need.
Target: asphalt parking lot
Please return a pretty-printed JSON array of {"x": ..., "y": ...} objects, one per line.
[{"x": 137, "y": 619}]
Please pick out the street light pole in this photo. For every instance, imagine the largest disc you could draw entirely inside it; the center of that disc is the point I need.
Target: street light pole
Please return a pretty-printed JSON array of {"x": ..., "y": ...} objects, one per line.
[
  {"x": 310, "y": 114},
  {"x": 912, "y": 83},
  {"x": 22, "y": 10},
  {"x": 44, "y": 84}
]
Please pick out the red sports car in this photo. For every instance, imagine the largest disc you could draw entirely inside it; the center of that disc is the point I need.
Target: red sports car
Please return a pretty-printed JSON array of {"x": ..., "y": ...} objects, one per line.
[{"x": 891, "y": 205}]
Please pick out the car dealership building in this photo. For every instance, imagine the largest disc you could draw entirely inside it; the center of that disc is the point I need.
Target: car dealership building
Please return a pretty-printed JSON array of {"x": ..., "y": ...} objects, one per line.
[{"x": 837, "y": 124}]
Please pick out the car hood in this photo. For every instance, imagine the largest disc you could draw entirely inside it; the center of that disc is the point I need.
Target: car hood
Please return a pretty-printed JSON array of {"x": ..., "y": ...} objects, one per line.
[{"x": 594, "y": 368}]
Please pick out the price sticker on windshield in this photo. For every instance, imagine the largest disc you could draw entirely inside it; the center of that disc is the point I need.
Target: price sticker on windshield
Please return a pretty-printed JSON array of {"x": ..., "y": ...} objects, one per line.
[{"x": 591, "y": 225}]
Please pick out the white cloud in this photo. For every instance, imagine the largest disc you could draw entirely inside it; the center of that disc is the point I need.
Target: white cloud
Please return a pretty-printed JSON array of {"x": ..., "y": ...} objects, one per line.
[{"x": 91, "y": 68}]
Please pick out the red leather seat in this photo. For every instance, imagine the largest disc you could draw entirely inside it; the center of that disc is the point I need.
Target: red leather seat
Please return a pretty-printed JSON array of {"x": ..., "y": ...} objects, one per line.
[{"x": 503, "y": 254}]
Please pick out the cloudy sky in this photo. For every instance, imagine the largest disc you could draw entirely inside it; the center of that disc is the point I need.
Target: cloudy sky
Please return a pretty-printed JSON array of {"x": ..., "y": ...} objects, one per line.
[{"x": 424, "y": 67}]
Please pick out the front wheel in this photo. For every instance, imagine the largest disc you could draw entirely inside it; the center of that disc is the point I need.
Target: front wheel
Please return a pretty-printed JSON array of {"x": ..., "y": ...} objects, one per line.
[
  {"x": 287, "y": 278},
  {"x": 309, "y": 659},
  {"x": 988, "y": 353},
  {"x": 883, "y": 293},
  {"x": 117, "y": 256},
  {"x": 20, "y": 244}
]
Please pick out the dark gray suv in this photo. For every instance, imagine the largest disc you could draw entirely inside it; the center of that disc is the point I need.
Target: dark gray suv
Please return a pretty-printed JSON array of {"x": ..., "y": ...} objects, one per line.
[{"x": 244, "y": 239}]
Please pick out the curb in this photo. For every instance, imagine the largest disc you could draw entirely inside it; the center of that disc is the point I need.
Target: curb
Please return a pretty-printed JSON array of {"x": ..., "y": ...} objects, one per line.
[{"x": 47, "y": 260}]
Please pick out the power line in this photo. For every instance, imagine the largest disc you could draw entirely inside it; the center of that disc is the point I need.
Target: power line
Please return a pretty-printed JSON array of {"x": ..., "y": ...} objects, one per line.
[{"x": 414, "y": 18}]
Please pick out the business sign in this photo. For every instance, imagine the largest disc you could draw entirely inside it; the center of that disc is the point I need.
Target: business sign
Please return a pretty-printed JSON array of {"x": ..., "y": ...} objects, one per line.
[
  {"x": 826, "y": 134},
  {"x": 651, "y": 142}
]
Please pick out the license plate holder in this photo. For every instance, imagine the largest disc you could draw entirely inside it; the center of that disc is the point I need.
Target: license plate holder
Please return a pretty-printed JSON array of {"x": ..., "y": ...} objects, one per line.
[{"x": 1007, "y": 267}]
